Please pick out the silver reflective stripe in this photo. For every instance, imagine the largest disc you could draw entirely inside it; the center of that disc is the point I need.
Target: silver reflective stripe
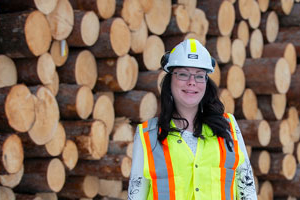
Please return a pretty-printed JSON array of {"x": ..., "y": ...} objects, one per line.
[
  {"x": 229, "y": 163},
  {"x": 159, "y": 161}
]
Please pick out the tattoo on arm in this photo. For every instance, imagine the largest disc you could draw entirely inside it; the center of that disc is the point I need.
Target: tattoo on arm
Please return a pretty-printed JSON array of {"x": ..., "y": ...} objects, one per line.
[
  {"x": 135, "y": 185},
  {"x": 245, "y": 182}
]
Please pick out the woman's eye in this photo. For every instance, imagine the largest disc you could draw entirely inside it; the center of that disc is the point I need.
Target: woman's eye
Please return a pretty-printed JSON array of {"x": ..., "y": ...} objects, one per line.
[{"x": 183, "y": 74}]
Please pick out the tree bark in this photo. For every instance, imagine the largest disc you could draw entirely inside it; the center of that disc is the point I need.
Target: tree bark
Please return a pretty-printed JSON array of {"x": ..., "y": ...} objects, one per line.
[
  {"x": 104, "y": 8},
  {"x": 219, "y": 48},
  {"x": 283, "y": 167},
  {"x": 180, "y": 21},
  {"x": 246, "y": 106},
  {"x": 114, "y": 39},
  {"x": 46, "y": 116},
  {"x": 25, "y": 34},
  {"x": 17, "y": 108},
  {"x": 45, "y": 6},
  {"x": 221, "y": 18},
  {"x": 267, "y": 75},
  {"x": 80, "y": 68},
  {"x": 120, "y": 148},
  {"x": 154, "y": 50},
  {"x": 42, "y": 175},
  {"x": 80, "y": 186},
  {"x": 85, "y": 30},
  {"x": 111, "y": 74},
  {"x": 293, "y": 93},
  {"x": 61, "y": 20},
  {"x": 272, "y": 106},
  {"x": 150, "y": 81},
  {"x": 115, "y": 167},
  {"x": 11, "y": 153},
  {"x": 280, "y": 133},
  {"x": 256, "y": 133},
  {"x": 137, "y": 105},
  {"x": 38, "y": 70},
  {"x": 260, "y": 161},
  {"x": 233, "y": 78},
  {"x": 269, "y": 26},
  {"x": 75, "y": 101},
  {"x": 90, "y": 137}
]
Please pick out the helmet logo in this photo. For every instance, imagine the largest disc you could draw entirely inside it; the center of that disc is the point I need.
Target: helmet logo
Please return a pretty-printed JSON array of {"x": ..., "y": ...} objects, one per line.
[{"x": 192, "y": 56}]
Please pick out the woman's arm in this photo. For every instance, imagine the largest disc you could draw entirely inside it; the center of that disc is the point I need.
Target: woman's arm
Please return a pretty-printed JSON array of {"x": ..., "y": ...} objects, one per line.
[
  {"x": 244, "y": 174},
  {"x": 138, "y": 184}
]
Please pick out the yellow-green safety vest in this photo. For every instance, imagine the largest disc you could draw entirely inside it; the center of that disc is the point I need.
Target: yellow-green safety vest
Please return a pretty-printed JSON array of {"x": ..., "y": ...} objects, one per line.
[{"x": 175, "y": 173}]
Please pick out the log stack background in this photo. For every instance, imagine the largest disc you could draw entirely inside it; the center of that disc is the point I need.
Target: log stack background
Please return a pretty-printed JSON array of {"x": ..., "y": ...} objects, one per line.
[{"x": 77, "y": 76}]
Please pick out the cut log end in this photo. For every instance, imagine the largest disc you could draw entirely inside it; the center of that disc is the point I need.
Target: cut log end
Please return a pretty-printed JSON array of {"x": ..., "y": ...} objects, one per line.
[
  {"x": 182, "y": 19},
  {"x": 290, "y": 55},
  {"x": 284, "y": 133},
  {"x": 86, "y": 69},
  {"x": 45, "y": 6},
  {"x": 153, "y": 52},
  {"x": 272, "y": 27},
  {"x": 255, "y": 15},
  {"x": 12, "y": 180},
  {"x": 224, "y": 48},
  {"x": 99, "y": 140},
  {"x": 46, "y": 117},
  {"x": 90, "y": 27},
  {"x": 289, "y": 166},
  {"x": 70, "y": 154},
  {"x": 228, "y": 101},
  {"x": 249, "y": 104},
  {"x": 159, "y": 16},
  {"x": 120, "y": 37},
  {"x": 263, "y": 5},
  {"x": 61, "y": 20},
  {"x": 132, "y": 13},
  {"x": 256, "y": 44},
  {"x": 54, "y": 85},
  {"x": 139, "y": 38},
  {"x": 12, "y": 154},
  {"x": 104, "y": 110},
  {"x": 56, "y": 145},
  {"x": 243, "y": 32},
  {"x": 238, "y": 52},
  {"x": 226, "y": 18},
  {"x": 84, "y": 102},
  {"x": 59, "y": 52},
  {"x": 37, "y": 33},
  {"x": 8, "y": 71},
  {"x": 91, "y": 186},
  {"x": 127, "y": 72},
  {"x": 126, "y": 166},
  {"x": 264, "y": 133},
  {"x": 148, "y": 106},
  {"x": 56, "y": 175},
  {"x": 278, "y": 105},
  {"x": 20, "y": 108},
  {"x": 109, "y": 187},
  {"x": 106, "y": 8},
  {"x": 46, "y": 68},
  {"x": 282, "y": 76},
  {"x": 199, "y": 23},
  {"x": 7, "y": 193},
  {"x": 264, "y": 162},
  {"x": 287, "y": 6},
  {"x": 236, "y": 81}
]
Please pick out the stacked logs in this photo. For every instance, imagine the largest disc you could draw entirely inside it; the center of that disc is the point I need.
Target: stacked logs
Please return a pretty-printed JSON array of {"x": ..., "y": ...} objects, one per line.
[{"x": 77, "y": 76}]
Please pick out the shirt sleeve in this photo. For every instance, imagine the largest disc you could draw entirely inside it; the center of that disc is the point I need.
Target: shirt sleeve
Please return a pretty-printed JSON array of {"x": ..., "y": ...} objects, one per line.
[
  {"x": 244, "y": 174},
  {"x": 138, "y": 184}
]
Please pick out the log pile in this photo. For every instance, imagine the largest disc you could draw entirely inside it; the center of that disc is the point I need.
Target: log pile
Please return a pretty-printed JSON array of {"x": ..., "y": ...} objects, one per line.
[{"x": 77, "y": 76}]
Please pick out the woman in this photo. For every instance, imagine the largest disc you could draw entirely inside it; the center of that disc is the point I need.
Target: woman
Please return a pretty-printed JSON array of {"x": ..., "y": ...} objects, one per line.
[{"x": 193, "y": 150}]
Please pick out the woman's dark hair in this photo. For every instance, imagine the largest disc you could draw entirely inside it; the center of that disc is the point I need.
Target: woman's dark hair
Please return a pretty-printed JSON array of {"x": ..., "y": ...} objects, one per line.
[{"x": 210, "y": 112}]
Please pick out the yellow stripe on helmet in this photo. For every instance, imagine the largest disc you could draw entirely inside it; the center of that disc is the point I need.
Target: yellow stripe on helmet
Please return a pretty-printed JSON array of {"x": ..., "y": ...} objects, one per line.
[{"x": 193, "y": 45}]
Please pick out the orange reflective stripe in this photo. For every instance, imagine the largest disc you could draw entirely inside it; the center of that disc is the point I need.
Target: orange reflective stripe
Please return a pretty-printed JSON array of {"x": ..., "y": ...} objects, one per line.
[
  {"x": 145, "y": 124},
  {"x": 222, "y": 163},
  {"x": 151, "y": 164},
  {"x": 170, "y": 169}
]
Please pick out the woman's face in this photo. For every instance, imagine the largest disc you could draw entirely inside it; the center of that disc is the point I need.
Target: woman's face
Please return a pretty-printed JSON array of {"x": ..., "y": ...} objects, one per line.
[{"x": 187, "y": 94}]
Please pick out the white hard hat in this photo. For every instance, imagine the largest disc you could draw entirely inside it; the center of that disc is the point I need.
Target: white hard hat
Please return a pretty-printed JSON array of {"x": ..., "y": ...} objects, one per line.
[{"x": 189, "y": 53}]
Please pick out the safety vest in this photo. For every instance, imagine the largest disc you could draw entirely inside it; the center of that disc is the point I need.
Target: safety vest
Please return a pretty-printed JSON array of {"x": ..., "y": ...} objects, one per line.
[{"x": 175, "y": 173}]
